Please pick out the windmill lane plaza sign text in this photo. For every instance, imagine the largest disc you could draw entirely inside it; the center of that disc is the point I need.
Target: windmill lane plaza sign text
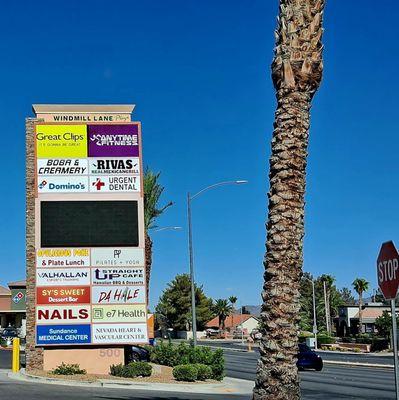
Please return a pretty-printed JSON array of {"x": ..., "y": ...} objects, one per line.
[
  {"x": 388, "y": 270},
  {"x": 89, "y": 295}
]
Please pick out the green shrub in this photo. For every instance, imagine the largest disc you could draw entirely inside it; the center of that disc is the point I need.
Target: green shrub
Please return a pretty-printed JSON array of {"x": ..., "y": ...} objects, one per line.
[
  {"x": 218, "y": 365},
  {"x": 135, "y": 369},
  {"x": 131, "y": 370},
  {"x": 183, "y": 354},
  {"x": 204, "y": 372},
  {"x": 186, "y": 373},
  {"x": 165, "y": 354},
  {"x": 116, "y": 370},
  {"x": 379, "y": 343},
  {"x": 68, "y": 369},
  {"x": 325, "y": 339}
]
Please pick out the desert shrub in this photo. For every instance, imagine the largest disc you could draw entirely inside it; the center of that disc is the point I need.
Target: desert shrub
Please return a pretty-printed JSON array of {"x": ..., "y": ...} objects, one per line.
[
  {"x": 68, "y": 369},
  {"x": 325, "y": 339},
  {"x": 116, "y": 370},
  {"x": 183, "y": 354},
  {"x": 186, "y": 373},
  {"x": 165, "y": 354},
  {"x": 131, "y": 370},
  {"x": 204, "y": 372},
  {"x": 139, "y": 368},
  {"x": 218, "y": 365},
  {"x": 379, "y": 343}
]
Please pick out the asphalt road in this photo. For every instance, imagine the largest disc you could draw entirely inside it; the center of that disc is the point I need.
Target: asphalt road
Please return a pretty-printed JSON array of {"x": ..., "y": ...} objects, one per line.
[
  {"x": 334, "y": 382},
  {"x": 333, "y": 356}
]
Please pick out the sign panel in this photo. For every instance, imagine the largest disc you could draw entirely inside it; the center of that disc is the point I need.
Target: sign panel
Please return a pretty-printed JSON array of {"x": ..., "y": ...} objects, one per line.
[
  {"x": 121, "y": 257},
  {"x": 77, "y": 117},
  {"x": 117, "y": 184},
  {"x": 120, "y": 333},
  {"x": 62, "y": 276},
  {"x": 118, "y": 276},
  {"x": 62, "y": 166},
  {"x": 388, "y": 270},
  {"x": 114, "y": 166},
  {"x": 113, "y": 140},
  {"x": 63, "y": 295},
  {"x": 119, "y": 313},
  {"x": 118, "y": 294},
  {"x": 90, "y": 265},
  {"x": 62, "y": 184},
  {"x": 62, "y": 334},
  {"x": 71, "y": 314},
  {"x": 61, "y": 141},
  {"x": 63, "y": 257}
]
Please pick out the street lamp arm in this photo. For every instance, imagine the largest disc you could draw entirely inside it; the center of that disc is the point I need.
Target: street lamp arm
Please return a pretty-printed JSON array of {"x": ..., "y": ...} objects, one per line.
[{"x": 216, "y": 185}]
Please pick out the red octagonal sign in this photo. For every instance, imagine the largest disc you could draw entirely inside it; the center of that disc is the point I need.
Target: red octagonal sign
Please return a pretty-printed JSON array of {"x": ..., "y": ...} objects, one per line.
[{"x": 388, "y": 270}]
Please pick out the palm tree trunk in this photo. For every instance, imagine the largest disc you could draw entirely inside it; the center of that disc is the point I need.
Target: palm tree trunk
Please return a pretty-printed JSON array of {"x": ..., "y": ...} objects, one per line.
[
  {"x": 148, "y": 262},
  {"x": 296, "y": 72}
]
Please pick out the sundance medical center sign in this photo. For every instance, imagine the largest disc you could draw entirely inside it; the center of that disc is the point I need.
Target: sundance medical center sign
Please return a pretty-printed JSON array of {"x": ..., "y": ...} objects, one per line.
[{"x": 89, "y": 232}]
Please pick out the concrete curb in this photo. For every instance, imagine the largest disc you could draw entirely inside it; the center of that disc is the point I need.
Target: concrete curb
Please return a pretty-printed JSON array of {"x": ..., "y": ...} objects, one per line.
[
  {"x": 358, "y": 364},
  {"x": 228, "y": 386}
]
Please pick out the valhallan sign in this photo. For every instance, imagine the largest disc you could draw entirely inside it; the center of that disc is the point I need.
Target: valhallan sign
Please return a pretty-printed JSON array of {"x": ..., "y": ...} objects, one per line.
[
  {"x": 114, "y": 166},
  {"x": 121, "y": 257},
  {"x": 62, "y": 276},
  {"x": 101, "y": 184},
  {"x": 63, "y": 257},
  {"x": 74, "y": 166},
  {"x": 119, "y": 333}
]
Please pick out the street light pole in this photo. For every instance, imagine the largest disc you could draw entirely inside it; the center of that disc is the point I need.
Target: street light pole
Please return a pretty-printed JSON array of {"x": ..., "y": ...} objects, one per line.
[
  {"x": 314, "y": 317},
  {"x": 190, "y": 249}
]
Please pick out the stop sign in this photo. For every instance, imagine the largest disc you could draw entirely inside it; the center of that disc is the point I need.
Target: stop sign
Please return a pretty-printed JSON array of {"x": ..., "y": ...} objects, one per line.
[{"x": 388, "y": 270}]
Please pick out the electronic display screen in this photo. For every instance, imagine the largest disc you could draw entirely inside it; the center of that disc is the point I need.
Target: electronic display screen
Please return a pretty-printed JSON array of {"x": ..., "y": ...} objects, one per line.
[{"x": 89, "y": 223}]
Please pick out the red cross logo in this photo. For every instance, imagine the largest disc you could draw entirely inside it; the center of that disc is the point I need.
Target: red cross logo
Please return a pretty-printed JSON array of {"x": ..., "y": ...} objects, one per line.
[{"x": 98, "y": 184}]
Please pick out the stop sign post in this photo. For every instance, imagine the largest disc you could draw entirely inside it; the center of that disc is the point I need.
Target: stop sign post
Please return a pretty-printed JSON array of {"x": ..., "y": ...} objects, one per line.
[{"x": 388, "y": 282}]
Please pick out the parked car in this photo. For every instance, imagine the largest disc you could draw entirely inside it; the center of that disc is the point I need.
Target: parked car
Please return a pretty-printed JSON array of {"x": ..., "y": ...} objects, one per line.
[
  {"x": 308, "y": 359},
  {"x": 212, "y": 333},
  {"x": 136, "y": 353},
  {"x": 8, "y": 335},
  {"x": 255, "y": 334}
]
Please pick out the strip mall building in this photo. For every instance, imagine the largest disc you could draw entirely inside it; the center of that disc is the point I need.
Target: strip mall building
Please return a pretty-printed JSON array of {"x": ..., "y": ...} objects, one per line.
[{"x": 13, "y": 305}]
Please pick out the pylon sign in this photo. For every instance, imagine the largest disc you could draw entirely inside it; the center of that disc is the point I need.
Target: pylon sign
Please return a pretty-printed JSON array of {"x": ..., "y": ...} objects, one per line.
[
  {"x": 89, "y": 242},
  {"x": 388, "y": 270}
]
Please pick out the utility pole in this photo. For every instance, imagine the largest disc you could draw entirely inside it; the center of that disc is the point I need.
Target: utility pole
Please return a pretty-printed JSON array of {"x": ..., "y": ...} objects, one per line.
[
  {"x": 314, "y": 316},
  {"x": 326, "y": 308}
]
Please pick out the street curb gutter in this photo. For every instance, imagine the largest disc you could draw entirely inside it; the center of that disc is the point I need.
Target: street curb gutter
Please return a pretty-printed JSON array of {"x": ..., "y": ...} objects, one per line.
[
  {"x": 357, "y": 364},
  {"x": 228, "y": 386},
  {"x": 348, "y": 363}
]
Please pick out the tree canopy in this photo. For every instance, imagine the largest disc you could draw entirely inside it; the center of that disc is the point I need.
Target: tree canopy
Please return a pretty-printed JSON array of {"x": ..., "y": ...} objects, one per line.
[{"x": 174, "y": 306}]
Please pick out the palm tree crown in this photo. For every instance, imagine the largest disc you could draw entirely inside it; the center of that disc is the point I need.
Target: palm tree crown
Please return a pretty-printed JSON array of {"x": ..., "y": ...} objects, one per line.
[
  {"x": 222, "y": 309},
  {"x": 152, "y": 193},
  {"x": 360, "y": 285}
]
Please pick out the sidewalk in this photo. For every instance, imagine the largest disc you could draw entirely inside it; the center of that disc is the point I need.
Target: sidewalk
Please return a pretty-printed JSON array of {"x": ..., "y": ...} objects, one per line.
[{"x": 227, "y": 386}]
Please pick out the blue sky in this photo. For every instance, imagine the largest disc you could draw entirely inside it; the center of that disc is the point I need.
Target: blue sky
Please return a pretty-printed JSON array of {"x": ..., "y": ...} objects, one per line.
[{"x": 198, "y": 72}]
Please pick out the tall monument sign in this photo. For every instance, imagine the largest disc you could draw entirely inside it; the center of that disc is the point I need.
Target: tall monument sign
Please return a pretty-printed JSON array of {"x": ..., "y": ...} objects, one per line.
[{"x": 86, "y": 281}]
